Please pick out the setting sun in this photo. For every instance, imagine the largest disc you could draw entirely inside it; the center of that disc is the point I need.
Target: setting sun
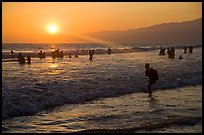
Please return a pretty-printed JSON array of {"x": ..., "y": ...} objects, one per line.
[{"x": 53, "y": 28}]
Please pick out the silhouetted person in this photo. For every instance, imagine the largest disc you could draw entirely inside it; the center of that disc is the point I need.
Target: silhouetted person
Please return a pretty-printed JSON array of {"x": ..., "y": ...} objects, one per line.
[
  {"x": 109, "y": 51},
  {"x": 185, "y": 49},
  {"x": 12, "y": 52},
  {"x": 172, "y": 52},
  {"x": 162, "y": 51},
  {"x": 180, "y": 57},
  {"x": 93, "y": 52},
  {"x": 41, "y": 54},
  {"x": 57, "y": 50},
  {"x": 21, "y": 59},
  {"x": 168, "y": 51},
  {"x": 61, "y": 54},
  {"x": 153, "y": 77},
  {"x": 190, "y": 49},
  {"x": 28, "y": 59},
  {"x": 90, "y": 55}
]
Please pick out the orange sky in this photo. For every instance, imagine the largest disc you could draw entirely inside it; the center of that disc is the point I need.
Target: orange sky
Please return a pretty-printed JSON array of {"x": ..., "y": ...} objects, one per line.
[{"x": 28, "y": 21}]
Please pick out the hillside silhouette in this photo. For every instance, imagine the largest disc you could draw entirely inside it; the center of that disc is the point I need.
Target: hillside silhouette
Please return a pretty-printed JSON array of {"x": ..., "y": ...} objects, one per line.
[{"x": 173, "y": 32}]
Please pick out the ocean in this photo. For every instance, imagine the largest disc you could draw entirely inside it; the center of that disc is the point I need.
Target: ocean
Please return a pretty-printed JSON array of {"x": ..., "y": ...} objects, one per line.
[{"x": 44, "y": 87}]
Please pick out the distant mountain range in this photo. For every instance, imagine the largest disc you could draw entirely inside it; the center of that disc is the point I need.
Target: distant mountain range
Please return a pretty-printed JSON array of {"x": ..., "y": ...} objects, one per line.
[{"x": 174, "y": 32}]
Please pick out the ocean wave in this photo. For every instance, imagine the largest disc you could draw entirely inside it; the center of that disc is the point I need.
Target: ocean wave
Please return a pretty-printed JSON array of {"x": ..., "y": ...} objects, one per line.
[
  {"x": 28, "y": 89},
  {"x": 85, "y": 51}
]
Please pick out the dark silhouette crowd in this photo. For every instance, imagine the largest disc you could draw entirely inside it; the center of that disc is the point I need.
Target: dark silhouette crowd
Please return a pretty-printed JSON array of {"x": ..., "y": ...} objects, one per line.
[
  {"x": 41, "y": 54},
  {"x": 171, "y": 51},
  {"x": 57, "y": 54},
  {"x": 22, "y": 59}
]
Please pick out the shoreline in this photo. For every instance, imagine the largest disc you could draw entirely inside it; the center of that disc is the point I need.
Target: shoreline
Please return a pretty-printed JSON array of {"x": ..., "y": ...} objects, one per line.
[
  {"x": 176, "y": 110},
  {"x": 101, "y": 98}
]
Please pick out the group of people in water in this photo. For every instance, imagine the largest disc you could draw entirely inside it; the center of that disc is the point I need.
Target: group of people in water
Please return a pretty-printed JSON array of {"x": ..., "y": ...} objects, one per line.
[
  {"x": 22, "y": 59},
  {"x": 41, "y": 54},
  {"x": 171, "y": 52},
  {"x": 55, "y": 54},
  {"x": 59, "y": 54},
  {"x": 152, "y": 74}
]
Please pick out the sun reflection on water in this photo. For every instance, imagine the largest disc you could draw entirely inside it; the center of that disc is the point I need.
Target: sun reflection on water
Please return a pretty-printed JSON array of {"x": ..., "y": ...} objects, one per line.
[{"x": 53, "y": 65}]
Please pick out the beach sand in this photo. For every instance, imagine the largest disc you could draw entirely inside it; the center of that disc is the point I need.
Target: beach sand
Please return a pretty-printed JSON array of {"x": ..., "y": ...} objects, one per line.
[{"x": 168, "y": 111}]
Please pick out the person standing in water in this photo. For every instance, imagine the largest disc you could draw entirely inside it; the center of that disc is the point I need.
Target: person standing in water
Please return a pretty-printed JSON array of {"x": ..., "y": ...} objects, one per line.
[
  {"x": 190, "y": 49},
  {"x": 153, "y": 77},
  {"x": 109, "y": 51},
  {"x": 185, "y": 49},
  {"x": 21, "y": 58},
  {"x": 28, "y": 59},
  {"x": 90, "y": 54}
]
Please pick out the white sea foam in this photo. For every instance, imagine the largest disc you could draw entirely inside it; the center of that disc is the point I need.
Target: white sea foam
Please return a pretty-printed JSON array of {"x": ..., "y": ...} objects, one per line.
[{"x": 45, "y": 83}]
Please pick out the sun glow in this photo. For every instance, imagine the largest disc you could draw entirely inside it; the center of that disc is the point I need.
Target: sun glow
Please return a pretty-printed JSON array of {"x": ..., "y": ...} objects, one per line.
[{"x": 52, "y": 28}]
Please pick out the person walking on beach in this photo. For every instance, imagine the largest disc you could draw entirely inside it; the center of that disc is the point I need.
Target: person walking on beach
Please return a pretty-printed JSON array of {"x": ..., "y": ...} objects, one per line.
[{"x": 153, "y": 77}]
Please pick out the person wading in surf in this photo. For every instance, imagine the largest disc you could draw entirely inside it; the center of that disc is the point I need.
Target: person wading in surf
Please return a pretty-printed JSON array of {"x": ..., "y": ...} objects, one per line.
[{"x": 153, "y": 77}]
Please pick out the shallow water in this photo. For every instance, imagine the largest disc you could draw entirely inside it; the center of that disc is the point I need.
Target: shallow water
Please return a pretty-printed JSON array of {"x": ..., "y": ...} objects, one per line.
[
  {"x": 46, "y": 83},
  {"x": 174, "y": 110}
]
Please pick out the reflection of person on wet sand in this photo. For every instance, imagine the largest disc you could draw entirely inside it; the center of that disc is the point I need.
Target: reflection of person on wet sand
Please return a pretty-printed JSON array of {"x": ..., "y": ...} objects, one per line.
[
  {"x": 153, "y": 103},
  {"x": 153, "y": 76}
]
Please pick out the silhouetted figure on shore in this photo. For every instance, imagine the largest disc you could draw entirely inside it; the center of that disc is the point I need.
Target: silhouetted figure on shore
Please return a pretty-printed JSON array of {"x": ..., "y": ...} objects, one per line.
[
  {"x": 21, "y": 58},
  {"x": 28, "y": 59},
  {"x": 190, "y": 49},
  {"x": 90, "y": 55},
  {"x": 180, "y": 57},
  {"x": 109, "y": 51},
  {"x": 185, "y": 49},
  {"x": 153, "y": 77},
  {"x": 162, "y": 51}
]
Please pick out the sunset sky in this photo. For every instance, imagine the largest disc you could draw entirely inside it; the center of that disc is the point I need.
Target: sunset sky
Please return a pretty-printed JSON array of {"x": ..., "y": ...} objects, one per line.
[{"x": 58, "y": 22}]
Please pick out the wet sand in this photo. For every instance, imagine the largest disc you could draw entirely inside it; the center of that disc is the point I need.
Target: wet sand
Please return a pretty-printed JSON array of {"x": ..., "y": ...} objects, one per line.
[{"x": 168, "y": 111}]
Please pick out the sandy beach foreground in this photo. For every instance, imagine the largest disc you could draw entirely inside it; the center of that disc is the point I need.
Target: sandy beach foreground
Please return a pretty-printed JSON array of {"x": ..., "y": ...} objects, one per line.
[
  {"x": 168, "y": 111},
  {"x": 173, "y": 110}
]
